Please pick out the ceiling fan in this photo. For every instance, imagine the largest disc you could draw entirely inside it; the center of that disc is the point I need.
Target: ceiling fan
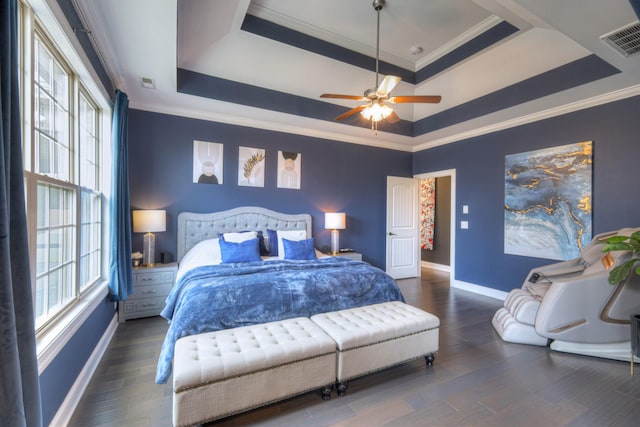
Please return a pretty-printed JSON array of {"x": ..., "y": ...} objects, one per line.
[{"x": 376, "y": 99}]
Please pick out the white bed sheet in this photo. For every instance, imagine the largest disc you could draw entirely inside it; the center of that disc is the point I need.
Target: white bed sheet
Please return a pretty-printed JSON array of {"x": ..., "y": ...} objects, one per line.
[{"x": 207, "y": 252}]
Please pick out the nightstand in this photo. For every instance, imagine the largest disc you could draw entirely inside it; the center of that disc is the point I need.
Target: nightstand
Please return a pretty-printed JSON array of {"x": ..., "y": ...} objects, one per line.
[
  {"x": 151, "y": 285},
  {"x": 353, "y": 255}
]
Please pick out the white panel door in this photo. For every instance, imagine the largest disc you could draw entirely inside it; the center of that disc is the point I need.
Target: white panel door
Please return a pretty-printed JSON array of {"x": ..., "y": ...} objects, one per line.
[{"x": 403, "y": 248}]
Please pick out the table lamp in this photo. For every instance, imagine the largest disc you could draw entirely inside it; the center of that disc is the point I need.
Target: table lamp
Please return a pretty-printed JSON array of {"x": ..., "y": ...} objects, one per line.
[
  {"x": 335, "y": 221},
  {"x": 148, "y": 222}
]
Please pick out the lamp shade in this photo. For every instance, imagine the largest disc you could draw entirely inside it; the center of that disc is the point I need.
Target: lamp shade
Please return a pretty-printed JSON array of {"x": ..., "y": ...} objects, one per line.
[
  {"x": 335, "y": 220},
  {"x": 149, "y": 221}
]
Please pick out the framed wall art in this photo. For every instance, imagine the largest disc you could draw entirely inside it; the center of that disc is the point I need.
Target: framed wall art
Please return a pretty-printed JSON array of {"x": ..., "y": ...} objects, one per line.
[
  {"x": 289, "y": 169},
  {"x": 251, "y": 163},
  {"x": 207, "y": 162},
  {"x": 547, "y": 207}
]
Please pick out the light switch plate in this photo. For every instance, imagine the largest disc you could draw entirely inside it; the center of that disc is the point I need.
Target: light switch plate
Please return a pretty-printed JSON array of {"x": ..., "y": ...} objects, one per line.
[
  {"x": 465, "y": 209},
  {"x": 464, "y": 225}
]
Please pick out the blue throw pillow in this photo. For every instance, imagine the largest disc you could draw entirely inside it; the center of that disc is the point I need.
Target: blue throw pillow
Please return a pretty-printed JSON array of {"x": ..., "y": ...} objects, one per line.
[
  {"x": 272, "y": 236},
  {"x": 261, "y": 244},
  {"x": 263, "y": 248},
  {"x": 299, "y": 249},
  {"x": 240, "y": 252}
]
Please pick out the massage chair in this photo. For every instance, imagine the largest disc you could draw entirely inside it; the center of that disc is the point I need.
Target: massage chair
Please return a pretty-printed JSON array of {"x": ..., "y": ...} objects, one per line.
[{"x": 572, "y": 307}]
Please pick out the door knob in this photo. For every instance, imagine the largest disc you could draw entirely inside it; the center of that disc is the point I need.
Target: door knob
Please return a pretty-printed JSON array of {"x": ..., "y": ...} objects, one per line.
[{"x": 392, "y": 234}]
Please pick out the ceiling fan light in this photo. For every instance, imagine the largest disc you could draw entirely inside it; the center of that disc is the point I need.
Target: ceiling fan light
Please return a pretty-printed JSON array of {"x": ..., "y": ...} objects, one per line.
[{"x": 376, "y": 112}]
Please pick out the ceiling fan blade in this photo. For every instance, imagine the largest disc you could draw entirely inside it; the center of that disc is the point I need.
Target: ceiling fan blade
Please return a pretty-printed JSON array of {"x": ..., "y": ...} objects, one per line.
[
  {"x": 393, "y": 117},
  {"x": 424, "y": 99},
  {"x": 351, "y": 112},
  {"x": 387, "y": 85},
  {"x": 338, "y": 96}
]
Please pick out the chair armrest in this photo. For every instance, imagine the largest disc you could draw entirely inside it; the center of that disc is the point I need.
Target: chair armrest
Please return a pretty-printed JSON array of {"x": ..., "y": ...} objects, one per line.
[
  {"x": 548, "y": 273},
  {"x": 572, "y": 304}
]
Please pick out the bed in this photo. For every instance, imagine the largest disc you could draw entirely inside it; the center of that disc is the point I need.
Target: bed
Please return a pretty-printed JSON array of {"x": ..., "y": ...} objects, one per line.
[{"x": 215, "y": 290}]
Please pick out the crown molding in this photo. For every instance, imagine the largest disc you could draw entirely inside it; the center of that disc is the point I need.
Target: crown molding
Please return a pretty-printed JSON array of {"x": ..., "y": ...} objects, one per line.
[
  {"x": 100, "y": 37},
  {"x": 321, "y": 34},
  {"x": 270, "y": 126},
  {"x": 530, "y": 118},
  {"x": 459, "y": 41}
]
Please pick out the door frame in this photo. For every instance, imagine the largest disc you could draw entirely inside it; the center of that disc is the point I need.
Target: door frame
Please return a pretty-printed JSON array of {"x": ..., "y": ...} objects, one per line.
[{"x": 452, "y": 244}]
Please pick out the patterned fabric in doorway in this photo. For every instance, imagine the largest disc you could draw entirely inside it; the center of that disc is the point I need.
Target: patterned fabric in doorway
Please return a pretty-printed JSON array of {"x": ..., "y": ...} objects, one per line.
[{"x": 427, "y": 212}]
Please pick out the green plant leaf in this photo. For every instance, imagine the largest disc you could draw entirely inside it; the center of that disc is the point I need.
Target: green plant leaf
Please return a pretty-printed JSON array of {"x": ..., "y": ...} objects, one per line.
[
  {"x": 617, "y": 246},
  {"x": 621, "y": 272},
  {"x": 616, "y": 239}
]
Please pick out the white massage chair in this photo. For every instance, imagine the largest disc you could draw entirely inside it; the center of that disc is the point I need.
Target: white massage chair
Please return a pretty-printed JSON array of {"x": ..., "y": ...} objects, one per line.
[{"x": 572, "y": 306}]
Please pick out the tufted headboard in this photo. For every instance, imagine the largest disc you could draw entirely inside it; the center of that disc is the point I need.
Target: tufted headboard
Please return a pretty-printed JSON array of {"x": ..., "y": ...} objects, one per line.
[{"x": 196, "y": 227}]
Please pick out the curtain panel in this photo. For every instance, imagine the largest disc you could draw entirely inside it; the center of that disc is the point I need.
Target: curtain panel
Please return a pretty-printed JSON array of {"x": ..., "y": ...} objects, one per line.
[
  {"x": 120, "y": 270},
  {"x": 19, "y": 383}
]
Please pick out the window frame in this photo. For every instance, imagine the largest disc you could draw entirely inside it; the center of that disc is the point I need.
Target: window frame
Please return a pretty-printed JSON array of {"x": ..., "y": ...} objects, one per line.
[{"x": 36, "y": 19}]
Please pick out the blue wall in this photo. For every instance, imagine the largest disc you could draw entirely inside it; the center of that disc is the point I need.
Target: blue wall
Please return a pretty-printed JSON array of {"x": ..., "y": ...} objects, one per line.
[
  {"x": 63, "y": 371},
  {"x": 336, "y": 176},
  {"x": 479, "y": 162}
]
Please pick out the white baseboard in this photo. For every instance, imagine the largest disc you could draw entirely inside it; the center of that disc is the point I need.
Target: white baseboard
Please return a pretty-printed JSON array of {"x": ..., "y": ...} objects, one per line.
[
  {"x": 433, "y": 265},
  {"x": 66, "y": 410},
  {"x": 477, "y": 289}
]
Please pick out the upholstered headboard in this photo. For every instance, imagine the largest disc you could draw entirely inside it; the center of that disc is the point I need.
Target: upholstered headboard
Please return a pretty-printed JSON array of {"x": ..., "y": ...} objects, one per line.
[{"x": 196, "y": 227}]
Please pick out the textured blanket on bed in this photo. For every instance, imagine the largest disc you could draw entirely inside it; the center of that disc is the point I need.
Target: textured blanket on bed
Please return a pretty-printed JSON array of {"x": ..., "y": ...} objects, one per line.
[{"x": 212, "y": 298}]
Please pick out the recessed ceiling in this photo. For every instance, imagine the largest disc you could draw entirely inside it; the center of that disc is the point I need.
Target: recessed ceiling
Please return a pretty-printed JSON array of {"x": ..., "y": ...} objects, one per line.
[{"x": 264, "y": 63}]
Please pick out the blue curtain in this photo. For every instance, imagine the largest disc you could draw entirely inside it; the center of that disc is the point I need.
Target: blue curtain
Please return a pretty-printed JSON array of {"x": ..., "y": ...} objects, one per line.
[
  {"x": 120, "y": 273},
  {"x": 19, "y": 383}
]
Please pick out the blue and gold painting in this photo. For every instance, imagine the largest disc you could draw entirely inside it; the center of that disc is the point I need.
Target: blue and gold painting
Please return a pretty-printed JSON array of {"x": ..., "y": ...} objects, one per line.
[{"x": 547, "y": 202}]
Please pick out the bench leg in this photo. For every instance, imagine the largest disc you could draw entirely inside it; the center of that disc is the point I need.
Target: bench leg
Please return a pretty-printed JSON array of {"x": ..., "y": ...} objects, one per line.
[
  {"x": 430, "y": 358},
  {"x": 341, "y": 388},
  {"x": 326, "y": 392}
]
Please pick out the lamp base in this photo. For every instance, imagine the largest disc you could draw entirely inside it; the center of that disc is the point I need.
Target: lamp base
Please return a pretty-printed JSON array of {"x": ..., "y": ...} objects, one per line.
[
  {"x": 149, "y": 249},
  {"x": 335, "y": 242}
]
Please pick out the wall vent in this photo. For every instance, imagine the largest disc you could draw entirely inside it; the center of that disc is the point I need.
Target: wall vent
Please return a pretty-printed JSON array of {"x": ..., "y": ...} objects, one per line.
[
  {"x": 147, "y": 82},
  {"x": 625, "y": 40}
]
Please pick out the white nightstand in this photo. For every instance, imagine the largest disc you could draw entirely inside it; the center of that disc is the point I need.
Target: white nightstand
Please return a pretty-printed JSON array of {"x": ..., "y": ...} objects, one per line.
[
  {"x": 353, "y": 255},
  {"x": 151, "y": 285}
]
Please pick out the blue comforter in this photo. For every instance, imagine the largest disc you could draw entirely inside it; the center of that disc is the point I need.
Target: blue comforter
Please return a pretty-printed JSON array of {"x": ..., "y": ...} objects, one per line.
[{"x": 212, "y": 298}]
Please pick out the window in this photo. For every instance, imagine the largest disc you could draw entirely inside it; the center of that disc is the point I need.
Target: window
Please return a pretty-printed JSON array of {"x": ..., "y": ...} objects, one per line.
[
  {"x": 63, "y": 176},
  {"x": 90, "y": 196},
  {"x": 52, "y": 142}
]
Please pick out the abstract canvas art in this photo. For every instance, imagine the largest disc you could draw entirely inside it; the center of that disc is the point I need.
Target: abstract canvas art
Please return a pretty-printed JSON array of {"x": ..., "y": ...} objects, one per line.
[
  {"x": 547, "y": 207},
  {"x": 251, "y": 167}
]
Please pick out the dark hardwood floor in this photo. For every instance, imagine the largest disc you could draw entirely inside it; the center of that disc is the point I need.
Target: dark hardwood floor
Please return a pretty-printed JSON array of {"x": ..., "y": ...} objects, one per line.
[{"x": 477, "y": 380}]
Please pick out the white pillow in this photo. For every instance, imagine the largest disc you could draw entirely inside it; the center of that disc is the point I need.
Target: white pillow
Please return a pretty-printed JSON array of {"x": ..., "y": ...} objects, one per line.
[
  {"x": 239, "y": 237},
  {"x": 206, "y": 252},
  {"x": 295, "y": 235}
]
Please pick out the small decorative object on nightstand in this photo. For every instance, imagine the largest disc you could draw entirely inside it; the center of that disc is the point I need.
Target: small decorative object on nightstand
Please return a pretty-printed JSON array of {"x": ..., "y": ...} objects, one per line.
[{"x": 151, "y": 285}]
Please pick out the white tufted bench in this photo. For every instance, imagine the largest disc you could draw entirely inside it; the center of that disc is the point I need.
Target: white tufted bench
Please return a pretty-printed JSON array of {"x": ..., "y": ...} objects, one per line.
[
  {"x": 221, "y": 373},
  {"x": 377, "y": 336}
]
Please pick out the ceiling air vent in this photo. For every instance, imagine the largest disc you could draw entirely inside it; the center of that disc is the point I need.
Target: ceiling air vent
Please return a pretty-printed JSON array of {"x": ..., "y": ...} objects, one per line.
[
  {"x": 625, "y": 40},
  {"x": 147, "y": 82}
]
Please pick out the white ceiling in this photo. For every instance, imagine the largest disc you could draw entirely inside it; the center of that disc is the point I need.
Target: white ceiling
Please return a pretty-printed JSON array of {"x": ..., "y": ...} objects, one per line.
[{"x": 153, "y": 38}]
